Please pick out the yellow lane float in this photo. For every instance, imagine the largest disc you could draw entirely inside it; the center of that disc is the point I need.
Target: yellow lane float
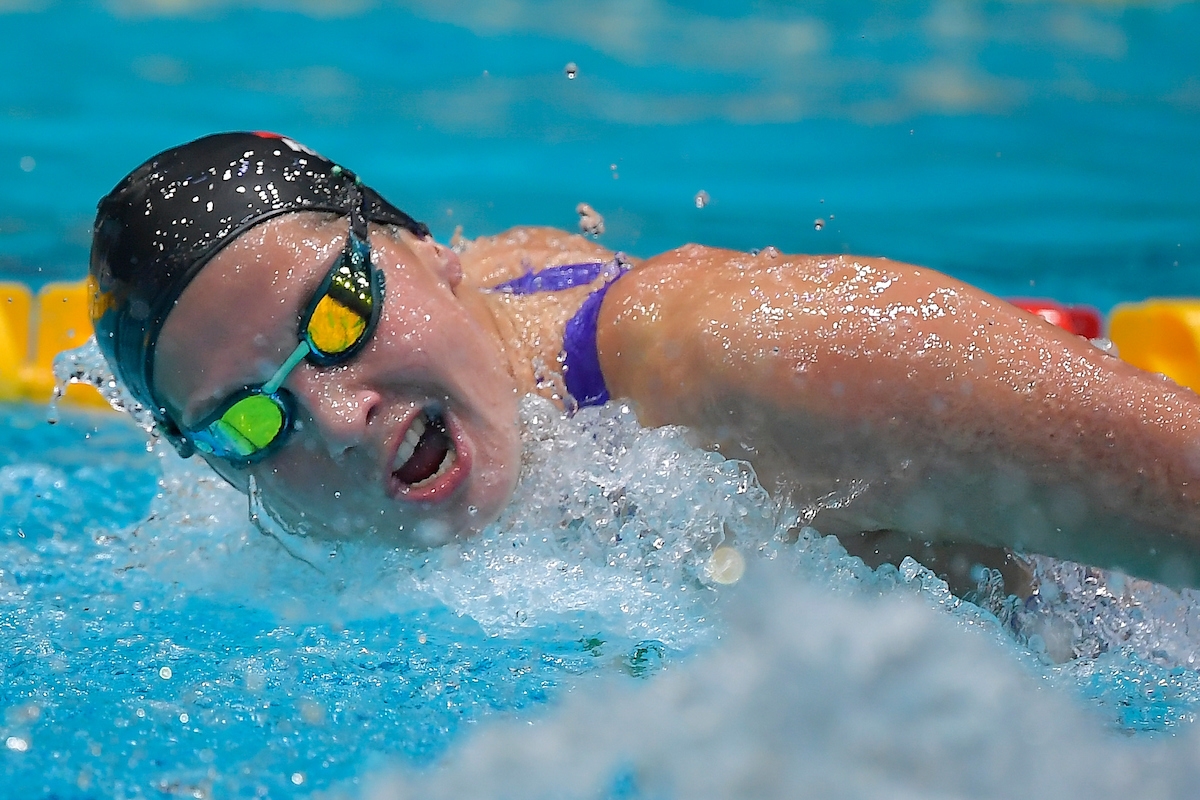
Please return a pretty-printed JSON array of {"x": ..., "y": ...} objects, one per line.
[
  {"x": 1160, "y": 336},
  {"x": 1156, "y": 335},
  {"x": 35, "y": 329}
]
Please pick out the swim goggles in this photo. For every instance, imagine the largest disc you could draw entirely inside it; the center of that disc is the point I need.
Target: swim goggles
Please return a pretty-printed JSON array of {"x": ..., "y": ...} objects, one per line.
[{"x": 336, "y": 323}]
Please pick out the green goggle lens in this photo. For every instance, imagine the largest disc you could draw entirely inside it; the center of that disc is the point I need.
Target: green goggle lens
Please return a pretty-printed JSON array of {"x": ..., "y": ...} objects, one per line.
[
  {"x": 248, "y": 427},
  {"x": 253, "y": 421}
]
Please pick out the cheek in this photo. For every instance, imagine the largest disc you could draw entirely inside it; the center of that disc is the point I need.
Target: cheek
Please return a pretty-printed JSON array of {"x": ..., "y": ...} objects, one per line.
[
  {"x": 498, "y": 462},
  {"x": 309, "y": 483}
]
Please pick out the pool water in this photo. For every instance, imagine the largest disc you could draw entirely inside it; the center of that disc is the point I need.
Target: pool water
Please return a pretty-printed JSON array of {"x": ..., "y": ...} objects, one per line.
[{"x": 157, "y": 643}]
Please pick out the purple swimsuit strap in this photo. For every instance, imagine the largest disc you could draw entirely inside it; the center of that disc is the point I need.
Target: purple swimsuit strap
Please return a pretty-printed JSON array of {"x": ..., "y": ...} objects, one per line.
[{"x": 581, "y": 360}]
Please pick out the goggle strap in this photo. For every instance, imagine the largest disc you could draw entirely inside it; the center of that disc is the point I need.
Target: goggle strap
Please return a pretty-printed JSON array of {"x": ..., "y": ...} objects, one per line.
[
  {"x": 272, "y": 386},
  {"x": 358, "y": 220}
]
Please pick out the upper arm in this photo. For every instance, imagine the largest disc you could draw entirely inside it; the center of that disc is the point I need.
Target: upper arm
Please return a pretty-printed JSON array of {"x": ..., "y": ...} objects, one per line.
[
  {"x": 965, "y": 416},
  {"x": 695, "y": 325}
]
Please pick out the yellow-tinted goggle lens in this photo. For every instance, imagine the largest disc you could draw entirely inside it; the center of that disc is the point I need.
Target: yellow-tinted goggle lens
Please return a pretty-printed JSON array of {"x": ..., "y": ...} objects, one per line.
[
  {"x": 340, "y": 317},
  {"x": 335, "y": 328}
]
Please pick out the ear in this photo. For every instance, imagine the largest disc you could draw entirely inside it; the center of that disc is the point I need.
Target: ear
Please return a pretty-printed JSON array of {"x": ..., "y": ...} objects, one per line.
[{"x": 440, "y": 258}]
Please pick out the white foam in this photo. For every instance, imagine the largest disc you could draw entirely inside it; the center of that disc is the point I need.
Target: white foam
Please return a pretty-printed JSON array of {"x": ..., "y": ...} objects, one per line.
[{"x": 813, "y": 694}]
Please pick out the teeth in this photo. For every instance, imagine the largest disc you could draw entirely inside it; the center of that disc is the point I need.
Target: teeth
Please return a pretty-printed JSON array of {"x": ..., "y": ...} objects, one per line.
[
  {"x": 409, "y": 445},
  {"x": 447, "y": 463}
]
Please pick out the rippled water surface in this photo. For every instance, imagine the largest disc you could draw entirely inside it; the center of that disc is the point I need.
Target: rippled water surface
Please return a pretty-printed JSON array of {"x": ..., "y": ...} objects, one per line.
[
  {"x": 158, "y": 643},
  {"x": 1004, "y": 142}
]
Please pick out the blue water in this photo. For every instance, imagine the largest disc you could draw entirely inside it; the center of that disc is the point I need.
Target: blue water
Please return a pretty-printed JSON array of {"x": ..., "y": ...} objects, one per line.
[
  {"x": 1057, "y": 143},
  {"x": 155, "y": 643}
]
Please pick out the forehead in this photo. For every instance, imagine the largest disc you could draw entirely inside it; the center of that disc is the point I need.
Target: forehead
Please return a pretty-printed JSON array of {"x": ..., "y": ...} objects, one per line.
[{"x": 241, "y": 306}]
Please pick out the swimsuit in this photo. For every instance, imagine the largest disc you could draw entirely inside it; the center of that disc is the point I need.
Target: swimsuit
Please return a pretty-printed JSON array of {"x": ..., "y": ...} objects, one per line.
[{"x": 581, "y": 360}]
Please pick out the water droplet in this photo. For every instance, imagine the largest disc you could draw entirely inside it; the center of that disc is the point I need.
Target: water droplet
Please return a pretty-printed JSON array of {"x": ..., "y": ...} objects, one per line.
[
  {"x": 726, "y": 565},
  {"x": 422, "y": 638},
  {"x": 570, "y": 70},
  {"x": 184, "y": 718},
  {"x": 165, "y": 673},
  {"x": 702, "y": 199},
  {"x": 590, "y": 221},
  {"x": 16, "y": 744},
  {"x": 472, "y": 511},
  {"x": 337, "y": 495},
  {"x": 818, "y": 223},
  {"x": 297, "y": 778}
]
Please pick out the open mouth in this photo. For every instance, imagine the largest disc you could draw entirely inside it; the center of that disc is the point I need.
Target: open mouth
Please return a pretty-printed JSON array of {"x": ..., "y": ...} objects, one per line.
[{"x": 427, "y": 452}]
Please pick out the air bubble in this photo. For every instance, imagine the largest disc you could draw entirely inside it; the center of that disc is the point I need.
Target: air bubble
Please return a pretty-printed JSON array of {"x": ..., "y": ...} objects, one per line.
[
  {"x": 571, "y": 70},
  {"x": 818, "y": 223},
  {"x": 702, "y": 199},
  {"x": 165, "y": 673}
]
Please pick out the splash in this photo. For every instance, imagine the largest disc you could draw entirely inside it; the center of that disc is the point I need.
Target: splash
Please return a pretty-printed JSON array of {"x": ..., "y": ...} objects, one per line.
[
  {"x": 612, "y": 526},
  {"x": 86, "y": 364}
]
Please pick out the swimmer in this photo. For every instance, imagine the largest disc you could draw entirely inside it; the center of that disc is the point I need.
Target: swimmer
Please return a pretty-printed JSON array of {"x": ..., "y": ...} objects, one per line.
[{"x": 289, "y": 325}]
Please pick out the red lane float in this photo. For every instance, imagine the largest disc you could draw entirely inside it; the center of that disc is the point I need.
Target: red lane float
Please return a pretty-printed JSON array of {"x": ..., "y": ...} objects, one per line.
[{"x": 1083, "y": 320}]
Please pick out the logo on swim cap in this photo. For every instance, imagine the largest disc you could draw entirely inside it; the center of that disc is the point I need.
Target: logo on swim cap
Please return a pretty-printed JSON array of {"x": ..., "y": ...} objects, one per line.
[{"x": 292, "y": 143}]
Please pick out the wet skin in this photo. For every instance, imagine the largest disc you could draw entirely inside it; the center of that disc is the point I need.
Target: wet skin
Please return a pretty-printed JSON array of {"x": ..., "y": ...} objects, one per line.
[{"x": 949, "y": 414}]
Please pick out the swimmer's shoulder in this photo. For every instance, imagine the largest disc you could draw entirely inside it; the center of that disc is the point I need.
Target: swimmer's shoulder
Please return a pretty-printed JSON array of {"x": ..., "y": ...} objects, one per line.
[
  {"x": 696, "y": 261},
  {"x": 489, "y": 260},
  {"x": 695, "y": 293}
]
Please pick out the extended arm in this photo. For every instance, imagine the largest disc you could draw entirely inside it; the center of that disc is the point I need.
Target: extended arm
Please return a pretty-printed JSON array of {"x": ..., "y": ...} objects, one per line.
[{"x": 965, "y": 418}]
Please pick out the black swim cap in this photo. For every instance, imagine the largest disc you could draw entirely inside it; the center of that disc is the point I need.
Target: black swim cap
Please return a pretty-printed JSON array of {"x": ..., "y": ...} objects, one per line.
[{"x": 161, "y": 224}]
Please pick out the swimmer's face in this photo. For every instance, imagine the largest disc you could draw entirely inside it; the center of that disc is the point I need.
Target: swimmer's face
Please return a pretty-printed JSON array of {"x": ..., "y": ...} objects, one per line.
[{"x": 358, "y": 461}]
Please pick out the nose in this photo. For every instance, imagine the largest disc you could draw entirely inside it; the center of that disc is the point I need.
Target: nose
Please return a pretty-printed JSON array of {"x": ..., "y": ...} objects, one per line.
[{"x": 340, "y": 411}]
